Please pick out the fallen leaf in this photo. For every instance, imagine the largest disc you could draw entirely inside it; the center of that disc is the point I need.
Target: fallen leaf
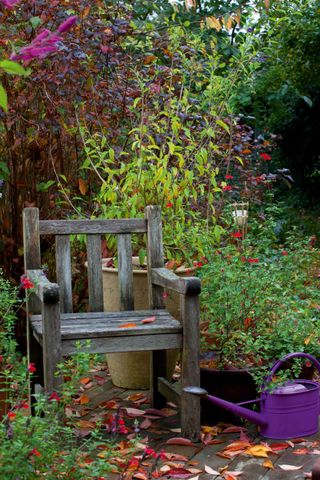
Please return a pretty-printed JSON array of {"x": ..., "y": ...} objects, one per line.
[
  {"x": 290, "y": 467},
  {"x": 258, "y": 451},
  {"x": 135, "y": 396},
  {"x": 232, "y": 474},
  {"x": 210, "y": 470},
  {"x": 85, "y": 380},
  {"x": 84, "y": 399},
  {"x": 83, "y": 187},
  {"x": 134, "y": 412},
  {"x": 302, "y": 451},
  {"x": 268, "y": 464},
  {"x": 238, "y": 445},
  {"x": 128, "y": 325},
  {"x": 277, "y": 447},
  {"x": 155, "y": 411},
  {"x": 180, "y": 441},
  {"x": 148, "y": 320},
  {"x": 86, "y": 424},
  {"x": 175, "y": 456},
  {"x": 234, "y": 430},
  {"x": 179, "y": 473},
  {"x": 145, "y": 424}
]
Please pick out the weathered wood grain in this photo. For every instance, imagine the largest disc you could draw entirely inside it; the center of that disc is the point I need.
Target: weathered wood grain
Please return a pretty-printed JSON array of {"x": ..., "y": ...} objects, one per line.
[
  {"x": 52, "y": 351},
  {"x": 95, "y": 285},
  {"x": 68, "y": 227},
  {"x": 63, "y": 269},
  {"x": 46, "y": 291},
  {"x": 171, "y": 391},
  {"x": 190, "y": 404},
  {"x": 154, "y": 253},
  {"x": 125, "y": 275},
  {"x": 168, "y": 279},
  {"x": 32, "y": 253}
]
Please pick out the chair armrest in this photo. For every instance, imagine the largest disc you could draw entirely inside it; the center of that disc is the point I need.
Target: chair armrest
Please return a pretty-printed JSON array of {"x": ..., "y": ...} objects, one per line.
[
  {"x": 168, "y": 279},
  {"x": 45, "y": 290}
]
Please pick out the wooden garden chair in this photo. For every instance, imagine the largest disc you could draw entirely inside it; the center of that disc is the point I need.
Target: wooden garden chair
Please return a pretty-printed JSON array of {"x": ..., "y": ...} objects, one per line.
[{"x": 53, "y": 330}]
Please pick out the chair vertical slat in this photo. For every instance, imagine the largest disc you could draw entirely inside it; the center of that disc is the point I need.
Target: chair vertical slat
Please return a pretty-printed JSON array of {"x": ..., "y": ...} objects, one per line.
[
  {"x": 95, "y": 273},
  {"x": 64, "y": 275},
  {"x": 125, "y": 275},
  {"x": 154, "y": 253}
]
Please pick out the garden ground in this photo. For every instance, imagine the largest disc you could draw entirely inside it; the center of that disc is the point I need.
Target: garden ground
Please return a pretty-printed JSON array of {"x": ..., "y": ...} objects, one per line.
[{"x": 234, "y": 452}]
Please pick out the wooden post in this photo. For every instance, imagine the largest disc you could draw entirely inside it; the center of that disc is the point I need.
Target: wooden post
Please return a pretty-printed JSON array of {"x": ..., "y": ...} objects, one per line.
[
  {"x": 64, "y": 275},
  {"x": 155, "y": 259},
  {"x": 52, "y": 349},
  {"x": 190, "y": 375},
  {"x": 32, "y": 260}
]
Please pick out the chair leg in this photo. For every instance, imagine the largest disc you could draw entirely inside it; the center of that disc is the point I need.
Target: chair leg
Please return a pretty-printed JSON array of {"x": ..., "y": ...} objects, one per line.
[
  {"x": 52, "y": 354},
  {"x": 34, "y": 355},
  {"x": 158, "y": 369},
  {"x": 190, "y": 372}
]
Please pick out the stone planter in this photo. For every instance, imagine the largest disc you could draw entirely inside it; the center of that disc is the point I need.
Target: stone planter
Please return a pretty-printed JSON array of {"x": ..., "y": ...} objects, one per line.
[{"x": 132, "y": 369}]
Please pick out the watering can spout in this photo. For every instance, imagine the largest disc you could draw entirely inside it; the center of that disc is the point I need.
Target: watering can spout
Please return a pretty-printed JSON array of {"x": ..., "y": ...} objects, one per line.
[{"x": 250, "y": 415}]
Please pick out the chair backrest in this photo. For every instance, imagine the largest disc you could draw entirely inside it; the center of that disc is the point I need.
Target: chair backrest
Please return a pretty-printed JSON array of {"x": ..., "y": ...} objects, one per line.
[{"x": 94, "y": 229}]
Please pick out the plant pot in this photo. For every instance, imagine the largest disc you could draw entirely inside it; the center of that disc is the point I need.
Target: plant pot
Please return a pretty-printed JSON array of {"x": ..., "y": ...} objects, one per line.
[
  {"x": 132, "y": 369},
  {"x": 232, "y": 385}
]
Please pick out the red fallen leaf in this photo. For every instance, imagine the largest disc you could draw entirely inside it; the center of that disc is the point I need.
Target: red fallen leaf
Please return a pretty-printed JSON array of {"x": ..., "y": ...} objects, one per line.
[
  {"x": 84, "y": 399},
  {"x": 100, "y": 380},
  {"x": 234, "y": 430},
  {"x": 148, "y": 320},
  {"x": 111, "y": 404},
  {"x": 301, "y": 451},
  {"x": 128, "y": 325},
  {"x": 155, "y": 411},
  {"x": 179, "y": 473},
  {"x": 276, "y": 447},
  {"x": 180, "y": 441},
  {"x": 298, "y": 440}
]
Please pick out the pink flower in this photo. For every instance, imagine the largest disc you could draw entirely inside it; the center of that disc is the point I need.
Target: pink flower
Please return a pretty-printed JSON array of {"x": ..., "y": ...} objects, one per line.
[
  {"x": 9, "y": 3},
  {"x": 227, "y": 188},
  {"x": 236, "y": 234},
  {"x": 11, "y": 416},
  {"x": 54, "y": 396},
  {"x": 35, "y": 452},
  {"x": 26, "y": 283},
  {"x": 44, "y": 43},
  {"x": 67, "y": 24},
  {"x": 229, "y": 177},
  {"x": 265, "y": 156},
  {"x": 32, "y": 368}
]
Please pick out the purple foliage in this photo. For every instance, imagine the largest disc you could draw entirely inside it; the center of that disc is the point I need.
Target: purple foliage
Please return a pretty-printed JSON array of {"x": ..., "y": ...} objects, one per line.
[{"x": 9, "y": 3}]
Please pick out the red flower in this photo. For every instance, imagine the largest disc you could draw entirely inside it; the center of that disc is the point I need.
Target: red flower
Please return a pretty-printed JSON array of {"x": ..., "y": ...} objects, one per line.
[
  {"x": 227, "y": 188},
  {"x": 54, "y": 396},
  {"x": 236, "y": 234},
  {"x": 284, "y": 253},
  {"x": 35, "y": 452},
  {"x": 169, "y": 205},
  {"x": 26, "y": 283},
  {"x": 253, "y": 260},
  {"x": 265, "y": 156},
  {"x": 11, "y": 415},
  {"x": 150, "y": 452},
  {"x": 229, "y": 177},
  {"x": 31, "y": 368},
  {"x": 165, "y": 295}
]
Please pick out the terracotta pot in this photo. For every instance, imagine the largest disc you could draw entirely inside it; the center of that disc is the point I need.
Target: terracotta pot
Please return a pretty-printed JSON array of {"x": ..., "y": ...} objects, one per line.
[{"x": 132, "y": 369}]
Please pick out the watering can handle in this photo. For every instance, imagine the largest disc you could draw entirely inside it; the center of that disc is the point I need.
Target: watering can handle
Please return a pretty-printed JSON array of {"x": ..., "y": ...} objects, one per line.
[{"x": 278, "y": 363}]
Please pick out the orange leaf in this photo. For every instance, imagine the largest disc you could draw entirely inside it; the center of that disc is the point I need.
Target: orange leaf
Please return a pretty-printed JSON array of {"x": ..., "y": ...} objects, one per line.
[
  {"x": 268, "y": 464},
  {"x": 85, "y": 380},
  {"x": 148, "y": 320},
  {"x": 83, "y": 187},
  {"x": 180, "y": 441},
  {"x": 258, "y": 450},
  {"x": 84, "y": 399},
  {"x": 128, "y": 325}
]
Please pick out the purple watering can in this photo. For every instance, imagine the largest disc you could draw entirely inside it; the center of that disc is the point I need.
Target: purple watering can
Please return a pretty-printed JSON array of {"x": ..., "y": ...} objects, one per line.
[{"x": 289, "y": 411}]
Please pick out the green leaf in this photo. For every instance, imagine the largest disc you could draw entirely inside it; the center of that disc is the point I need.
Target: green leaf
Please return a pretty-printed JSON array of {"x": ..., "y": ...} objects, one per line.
[
  {"x": 307, "y": 100},
  {"x": 35, "y": 22},
  {"x": 13, "y": 68},
  {"x": 3, "y": 98}
]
